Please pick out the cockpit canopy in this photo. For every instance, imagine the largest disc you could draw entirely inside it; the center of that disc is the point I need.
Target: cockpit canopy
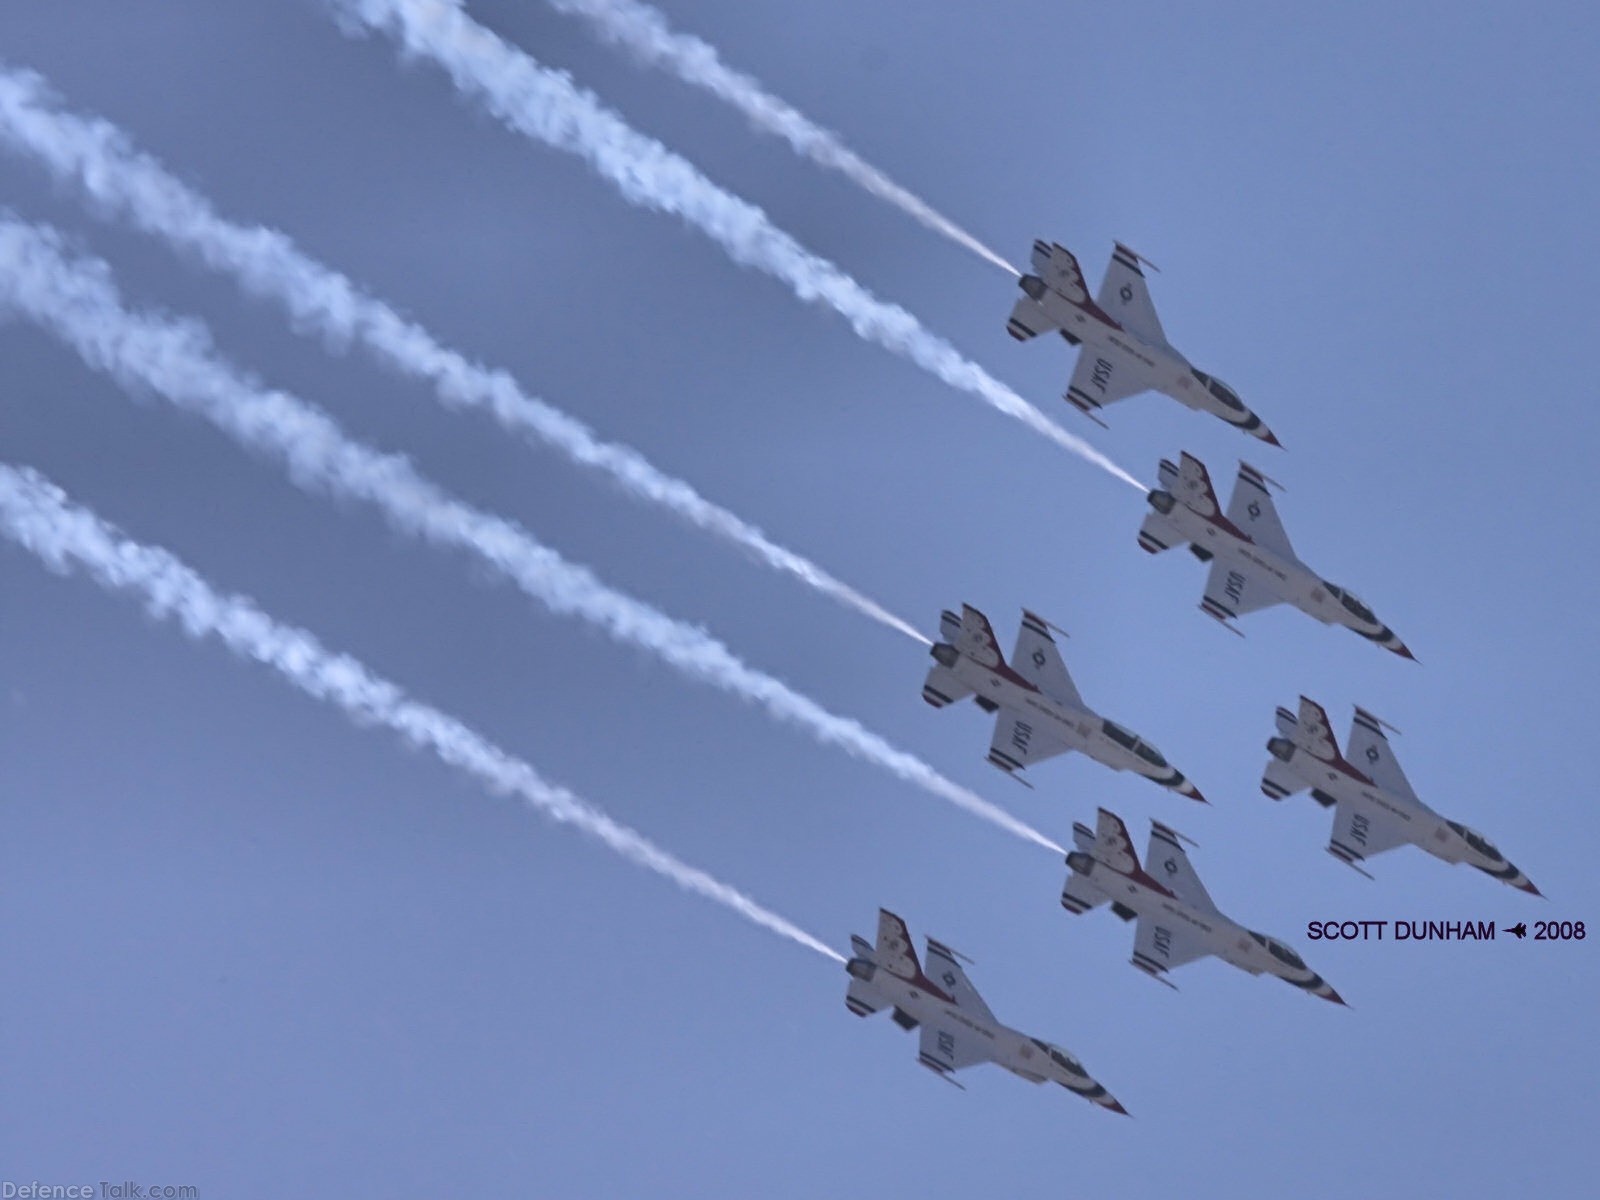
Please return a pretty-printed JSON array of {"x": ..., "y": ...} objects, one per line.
[
  {"x": 1149, "y": 753},
  {"x": 1279, "y": 951},
  {"x": 1220, "y": 391},
  {"x": 1061, "y": 1058},
  {"x": 1128, "y": 741},
  {"x": 1477, "y": 841},
  {"x": 1351, "y": 602}
]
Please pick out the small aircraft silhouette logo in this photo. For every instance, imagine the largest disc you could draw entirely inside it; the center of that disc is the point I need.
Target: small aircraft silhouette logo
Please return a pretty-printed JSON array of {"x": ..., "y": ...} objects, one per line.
[{"x": 1519, "y": 929}]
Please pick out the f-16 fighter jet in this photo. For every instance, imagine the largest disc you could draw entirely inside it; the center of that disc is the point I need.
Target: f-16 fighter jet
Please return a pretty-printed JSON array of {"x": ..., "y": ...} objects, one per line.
[
  {"x": 1125, "y": 350},
  {"x": 958, "y": 1029},
  {"x": 1041, "y": 713},
  {"x": 1255, "y": 565},
  {"x": 1177, "y": 920},
  {"x": 1374, "y": 807}
]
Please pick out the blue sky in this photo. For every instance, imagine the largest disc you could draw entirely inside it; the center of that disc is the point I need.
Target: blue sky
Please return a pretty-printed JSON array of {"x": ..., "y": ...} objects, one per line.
[{"x": 252, "y": 948}]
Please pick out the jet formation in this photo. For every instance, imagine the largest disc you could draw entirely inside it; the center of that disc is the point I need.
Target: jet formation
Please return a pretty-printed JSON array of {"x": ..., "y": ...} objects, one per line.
[{"x": 1039, "y": 713}]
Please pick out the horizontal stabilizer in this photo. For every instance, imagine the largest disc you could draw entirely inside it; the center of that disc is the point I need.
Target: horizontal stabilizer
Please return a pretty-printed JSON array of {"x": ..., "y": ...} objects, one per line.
[
  {"x": 1028, "y": 320},
  {"x": 1157, "y": 534},
  {"x": 1078, "y": 895},
  {"x": 1278, "y": 782},
  {"x": 943, "y": 686}
]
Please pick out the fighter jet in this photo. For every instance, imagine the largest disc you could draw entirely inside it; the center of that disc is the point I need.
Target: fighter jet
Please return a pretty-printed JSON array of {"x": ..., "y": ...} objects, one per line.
[
  {"x": 1374, "y": 807},
  {"x": 1041, "y": 713},
  {"x": 1255, "y": 565},
  {"x": 1177, "y": 920},
  {"x": 958, "y": 1029},
  {"x": 1125, "y": 350}
]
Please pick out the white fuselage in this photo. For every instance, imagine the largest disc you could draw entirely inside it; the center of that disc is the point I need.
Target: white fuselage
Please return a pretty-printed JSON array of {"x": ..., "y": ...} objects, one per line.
[
  {"x": 1076, "y": 727},
  {"x": 1164, "y": 369},
  {"x": 1007, "y": 1047},
  {"x": 1421, "y": 825},
  {"x": 1221, "y": 936},
  {"x": 1285, "y": 576}
]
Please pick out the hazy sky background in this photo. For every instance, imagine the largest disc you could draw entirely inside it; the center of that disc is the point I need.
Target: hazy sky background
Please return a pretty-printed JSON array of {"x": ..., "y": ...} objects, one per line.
[{"x": 251, "y": 948}]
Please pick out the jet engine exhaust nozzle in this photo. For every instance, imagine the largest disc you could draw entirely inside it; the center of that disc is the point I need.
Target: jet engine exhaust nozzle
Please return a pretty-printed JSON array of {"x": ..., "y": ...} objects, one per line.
[
  {"x": 945, "y": 654},
  {"x": 1033, "y": 285},
  {"x": 1162, "y": 502}
]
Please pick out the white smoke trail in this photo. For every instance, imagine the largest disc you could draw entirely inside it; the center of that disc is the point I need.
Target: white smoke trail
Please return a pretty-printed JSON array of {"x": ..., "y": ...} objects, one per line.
[
  {"x": 96, "y": 157},
  {"x": 644, "y": 31},
  {"x": 546, "y": 106},
  {"x": 76, "y": 300},
  {"x": 39, "y": 516}
]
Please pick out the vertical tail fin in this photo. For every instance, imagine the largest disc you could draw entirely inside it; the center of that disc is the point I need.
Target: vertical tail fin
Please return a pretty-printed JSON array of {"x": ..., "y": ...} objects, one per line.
[
  {"x": 1112, "y": 845},
  {"x": 1193, "y": 486},
  {"x": 894, "y": 951},
  {"x": 1313, "y": 733},
  {"x": 976, "y": 639}
]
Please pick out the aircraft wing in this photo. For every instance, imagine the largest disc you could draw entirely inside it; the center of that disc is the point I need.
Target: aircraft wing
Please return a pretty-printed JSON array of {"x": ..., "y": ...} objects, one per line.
[
  {"x": 947, "y": 973},
  {"x": 1104, "y": 376},
  {"x": 1362, "y": 830},
  {"x": 1369, "y": 751},
  {"x": 1124, "y": 295},
  {"x": 1038, "y": 661},
  {"x": 1166, "y": 861},
  {"x": 1252, "y": 510},
  {"x": 1159, "y": 945},
  {"x": 950, "y": 1047},
  {"x": 1018, "y": 743},
  {"x": 1233, "y": 590}
]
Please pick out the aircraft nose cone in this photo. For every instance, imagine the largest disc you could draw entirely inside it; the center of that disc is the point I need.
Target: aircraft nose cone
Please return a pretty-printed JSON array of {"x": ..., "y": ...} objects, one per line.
[
  {"x": 1188, "y": 789},
  {"x": 1403, "y": 651},
  {"x": 1114, "y": 1105},
  {"x": 1527, "y": 886},
  {"x": 1329, "y": 994},
  {"x": 1270, "y": 438}
]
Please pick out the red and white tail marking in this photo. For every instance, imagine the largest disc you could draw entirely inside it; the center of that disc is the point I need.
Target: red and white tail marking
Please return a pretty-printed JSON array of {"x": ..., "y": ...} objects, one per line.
[
  {"x": 1314, "y": 734},
  {"x": 1194, "y": 486},
  {"x": 898, "y": 956},
  {"x": 977, "y": 640},
  {"x": 1113, "y": 846}
]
